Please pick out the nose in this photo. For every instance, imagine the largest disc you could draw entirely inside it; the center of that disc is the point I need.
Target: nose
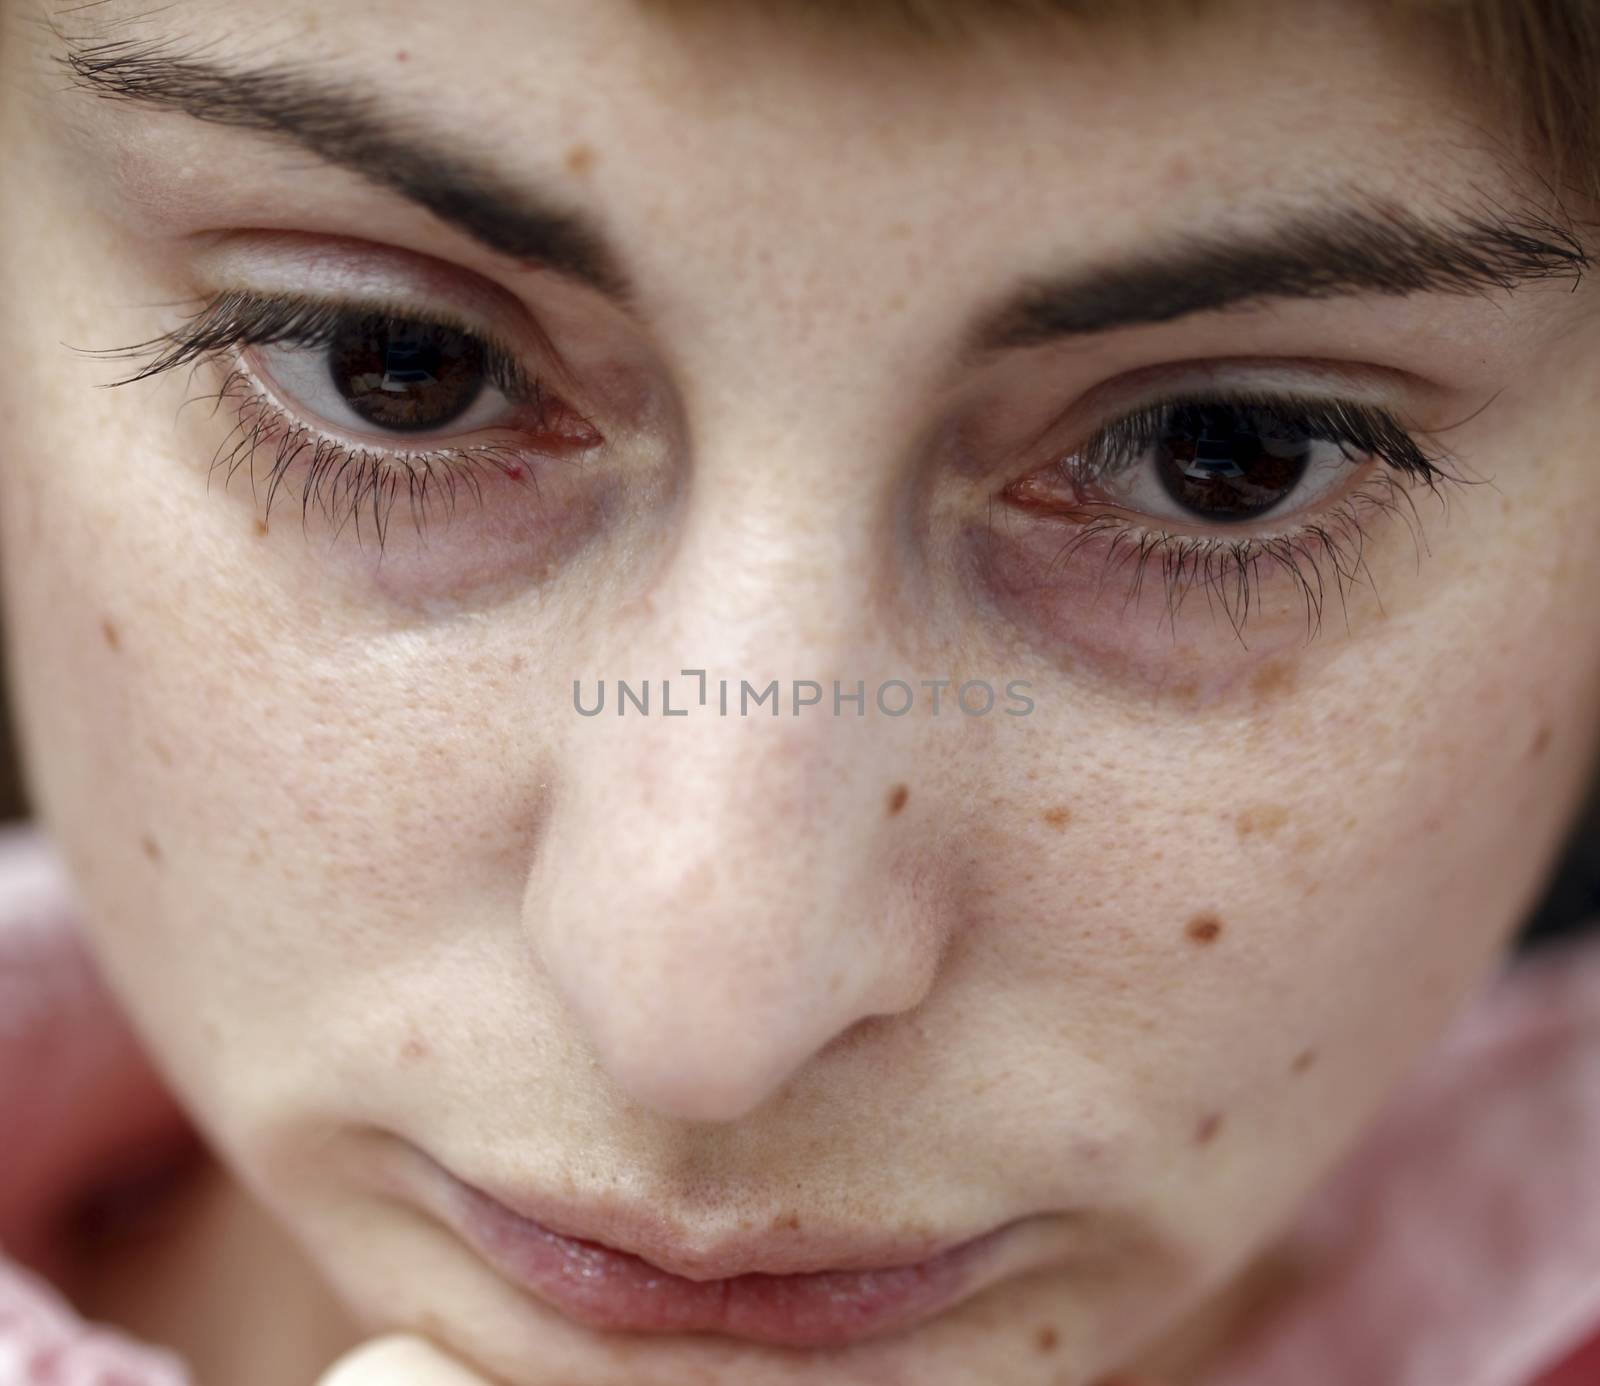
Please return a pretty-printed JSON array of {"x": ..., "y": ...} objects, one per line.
[{"x": 718, "y": 897}]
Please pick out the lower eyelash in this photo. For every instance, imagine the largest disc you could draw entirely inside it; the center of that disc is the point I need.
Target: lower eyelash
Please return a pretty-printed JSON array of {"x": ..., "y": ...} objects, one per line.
[
  {"x": 355, "y": 478},
  {"x": 1227, "y": 568}
]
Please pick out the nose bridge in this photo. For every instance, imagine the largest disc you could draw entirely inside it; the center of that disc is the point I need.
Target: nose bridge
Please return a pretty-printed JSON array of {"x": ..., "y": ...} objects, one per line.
[{"x": 724, "y": 887}]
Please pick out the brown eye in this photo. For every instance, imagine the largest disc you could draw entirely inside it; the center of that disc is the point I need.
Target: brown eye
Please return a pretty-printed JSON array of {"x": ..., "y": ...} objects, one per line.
[
  {"x": 1221, "y": 462},
  {"x": 406, "y": 376}
]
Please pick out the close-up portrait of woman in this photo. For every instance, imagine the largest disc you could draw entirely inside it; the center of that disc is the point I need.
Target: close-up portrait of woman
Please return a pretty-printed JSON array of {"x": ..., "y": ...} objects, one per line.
[{"x": 800, "y": 693}]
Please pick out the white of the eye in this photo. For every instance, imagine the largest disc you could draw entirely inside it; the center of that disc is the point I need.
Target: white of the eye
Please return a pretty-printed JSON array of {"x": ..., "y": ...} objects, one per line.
[
  {"x": 300, "y": 376},
  {"x": 1136, "y": 487}
]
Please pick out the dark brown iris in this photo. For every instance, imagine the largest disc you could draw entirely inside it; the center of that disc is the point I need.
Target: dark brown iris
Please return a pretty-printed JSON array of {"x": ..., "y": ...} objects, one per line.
[
  {"x": 1224, "y": 462},
  {"x": 406, "y": 376}
]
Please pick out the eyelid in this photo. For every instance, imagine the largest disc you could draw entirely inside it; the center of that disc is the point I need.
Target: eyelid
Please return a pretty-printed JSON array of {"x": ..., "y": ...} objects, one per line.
[
  {"x": 1276, "y": 378},
  {"x": 1275, "y": 381}
]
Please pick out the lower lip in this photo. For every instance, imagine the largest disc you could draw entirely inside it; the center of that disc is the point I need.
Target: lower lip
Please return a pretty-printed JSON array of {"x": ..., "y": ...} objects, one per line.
[{"x": 615, "y": 1291}]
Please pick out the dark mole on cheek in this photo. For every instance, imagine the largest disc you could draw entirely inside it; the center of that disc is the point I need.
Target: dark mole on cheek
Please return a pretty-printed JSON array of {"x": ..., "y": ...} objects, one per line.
[
  {"x": 1206, "y": 1131},
  {"x": 1046, "y": 1340},
  {"x": 152, "y": 848},
  {"x": 1303, "y": 1061},
  {"x": 113, "y": 640},
  {"x": 1058, "y": 818},
  {"x": 1205, "y": 928},
  {"x": 899, "y": 796}
]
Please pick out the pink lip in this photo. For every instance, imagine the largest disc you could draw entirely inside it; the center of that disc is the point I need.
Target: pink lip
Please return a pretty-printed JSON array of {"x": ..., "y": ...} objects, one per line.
[{"x": 863, "y": 1292}]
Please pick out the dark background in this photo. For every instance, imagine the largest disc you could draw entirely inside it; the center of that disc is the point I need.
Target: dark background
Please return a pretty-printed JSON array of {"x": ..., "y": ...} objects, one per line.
[{"x": 1571, "y": 901}]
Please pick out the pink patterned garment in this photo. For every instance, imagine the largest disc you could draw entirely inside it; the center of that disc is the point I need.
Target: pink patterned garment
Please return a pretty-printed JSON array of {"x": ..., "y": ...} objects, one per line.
[{"x": 1459, "y": 1245}]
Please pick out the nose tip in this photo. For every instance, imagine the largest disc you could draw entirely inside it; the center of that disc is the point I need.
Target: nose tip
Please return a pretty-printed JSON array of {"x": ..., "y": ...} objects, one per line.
[
  {"x": 719, "y": 1062},
  {"x": 710, "y": 942}
]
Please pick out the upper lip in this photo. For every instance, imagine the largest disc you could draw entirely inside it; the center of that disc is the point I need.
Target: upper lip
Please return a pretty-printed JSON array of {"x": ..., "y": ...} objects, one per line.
[{"x": 790, "y": 1244}]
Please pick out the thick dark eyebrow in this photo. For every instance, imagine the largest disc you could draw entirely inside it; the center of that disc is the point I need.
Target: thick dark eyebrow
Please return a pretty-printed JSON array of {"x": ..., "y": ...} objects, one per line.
[
  {"x": 353, "y": 131},
  {"x": 1359, "y": 246}
]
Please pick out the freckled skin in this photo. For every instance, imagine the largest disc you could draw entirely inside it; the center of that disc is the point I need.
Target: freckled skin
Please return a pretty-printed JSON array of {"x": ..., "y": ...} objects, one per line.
[
  {"x": 705, "y": 964},
  {"x": 1263, "y": 820},
  {"x": 581, "y": 160}
]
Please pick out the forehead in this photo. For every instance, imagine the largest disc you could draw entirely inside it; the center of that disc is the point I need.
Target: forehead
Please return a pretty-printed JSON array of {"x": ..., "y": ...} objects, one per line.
[{"x": 780, "y": 91}]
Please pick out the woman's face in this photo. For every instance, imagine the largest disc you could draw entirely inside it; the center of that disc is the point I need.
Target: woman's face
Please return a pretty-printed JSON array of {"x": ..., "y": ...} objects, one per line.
[{"x": 1219, "y": 401}]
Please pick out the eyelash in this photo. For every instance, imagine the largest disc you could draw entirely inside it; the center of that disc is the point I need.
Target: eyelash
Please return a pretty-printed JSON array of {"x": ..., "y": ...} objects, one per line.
[
  {"x": 1226, "y": 567},
  {"x": 233, "y": 321}
]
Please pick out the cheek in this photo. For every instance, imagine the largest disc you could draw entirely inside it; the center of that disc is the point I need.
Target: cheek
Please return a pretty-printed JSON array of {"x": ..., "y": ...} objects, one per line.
[{"x": 1260, "y": 907}]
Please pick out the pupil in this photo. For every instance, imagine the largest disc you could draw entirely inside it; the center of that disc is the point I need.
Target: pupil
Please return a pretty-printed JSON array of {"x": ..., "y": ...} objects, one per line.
[
  {"x": 406, "y": 376},
  {"x": 1226, "y": 463}
]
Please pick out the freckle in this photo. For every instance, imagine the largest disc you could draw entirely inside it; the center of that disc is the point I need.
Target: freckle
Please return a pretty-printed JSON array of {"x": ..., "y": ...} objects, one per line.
[
  {"x": 1265, "y": 819},
  {"x": 1046, "y": 1340},
  {"x": 1273, "y": 679},
  {"x": 1206, "y": 1132},
  {"x": 413, "y": 1049},
  {"x": 1541, "y": 742},
  {"x": 152, "y": 848},
  {"x": 402, "y": 56},
  {"x": 581, "y": 160},
  {"x": 161, "y": 752},
  {"x": 1205, "y": 928},
  {"x": 1058, "y": 817},
  {"x": 897, "y": 303},
  {"x": 110, "y": 632},
  {"x": 792, "y": 1222},
  {"x": 898, "y": 799},
  {"x": 261, "y": 528},
  {"x": 1303, "y": 1061}
]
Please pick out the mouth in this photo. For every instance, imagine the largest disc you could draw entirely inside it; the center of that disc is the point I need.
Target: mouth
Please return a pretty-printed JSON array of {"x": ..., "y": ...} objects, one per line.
[{"x": 789, "y": 1287}]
